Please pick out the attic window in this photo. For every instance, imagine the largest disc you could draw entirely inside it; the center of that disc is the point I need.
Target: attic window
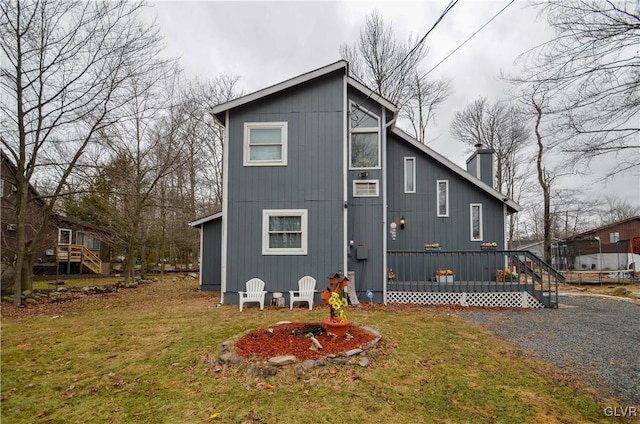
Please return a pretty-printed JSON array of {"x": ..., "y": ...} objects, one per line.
[
  {"x": 265, "y": 144},
  {"x": 365, "y": 188},
  {"x": 364, "y": 138}
]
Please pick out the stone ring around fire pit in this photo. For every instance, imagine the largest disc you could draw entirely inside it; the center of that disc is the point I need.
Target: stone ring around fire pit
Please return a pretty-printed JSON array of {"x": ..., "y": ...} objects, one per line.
[{"x": 257, "y": 346}]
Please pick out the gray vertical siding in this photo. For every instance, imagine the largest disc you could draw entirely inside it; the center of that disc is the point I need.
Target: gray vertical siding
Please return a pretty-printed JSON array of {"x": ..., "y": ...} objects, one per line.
[
  {"x": 311, "y": 180},
  {"x": 211, "y": 255},
  {"x": 419, "y": 209},
  {"x": 365, "y": 217}
]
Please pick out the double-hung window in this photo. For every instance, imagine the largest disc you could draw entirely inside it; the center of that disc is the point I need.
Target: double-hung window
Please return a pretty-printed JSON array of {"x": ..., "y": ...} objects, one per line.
[
  {"x": 476, "y": 221},
  {"x": 265, "y": 144},
  {"x": 409, "y": 175},
  {"x": 442, "y": 203},
  {"x": 284, "y": 232},
  {"x": 364, "y": 145}
]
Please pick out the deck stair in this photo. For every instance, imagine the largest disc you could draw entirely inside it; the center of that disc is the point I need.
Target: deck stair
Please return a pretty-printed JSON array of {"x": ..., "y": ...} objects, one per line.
[{"x": 78, "y": 253}]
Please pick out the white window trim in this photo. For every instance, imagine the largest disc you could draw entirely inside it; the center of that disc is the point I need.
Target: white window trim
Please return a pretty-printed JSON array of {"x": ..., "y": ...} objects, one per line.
[
  {"x": 479, "y": 206},
  {"x": 375, "y": 182},
  {"x": 60, "y": 231},
  {"x": 365, "y": 130},
  {"x": 248, "y": 126},
  {"x": 266, "y": 213},
  {"x": 446, "y": 214},
  {"x": 413, "y": 169}
]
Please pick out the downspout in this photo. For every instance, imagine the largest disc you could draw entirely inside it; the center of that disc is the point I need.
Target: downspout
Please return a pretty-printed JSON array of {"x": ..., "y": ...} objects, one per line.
[
  {"x": 225, "y": 207},
  {"x": 345, "y": 176},
  {"x": 384, "y": 203}
]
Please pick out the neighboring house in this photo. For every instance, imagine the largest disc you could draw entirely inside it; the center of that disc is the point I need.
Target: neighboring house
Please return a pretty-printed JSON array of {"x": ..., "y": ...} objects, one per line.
[
  {"x": 318, "y": 179},
  {"x": 558, "y": 259},
  {"x": 611, "y": 247},
  {"x": 69, "y": 246}
]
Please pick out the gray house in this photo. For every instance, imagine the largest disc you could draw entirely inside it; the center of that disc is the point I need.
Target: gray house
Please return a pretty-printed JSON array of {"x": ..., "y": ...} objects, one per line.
[{"x": 317, "y": 179}]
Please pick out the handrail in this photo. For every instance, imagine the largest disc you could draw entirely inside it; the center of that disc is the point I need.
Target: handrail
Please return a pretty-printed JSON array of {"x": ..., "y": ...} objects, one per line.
[
  {"x": 79, "y": 253},
  {"x": 475, "y": 271}
]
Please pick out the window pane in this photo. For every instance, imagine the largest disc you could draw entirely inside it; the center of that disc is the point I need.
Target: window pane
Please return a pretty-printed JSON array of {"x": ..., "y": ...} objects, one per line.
[
  {"x": 364, "y": 150},
  {"x": 409, "y": 184},
  {"x": 360, "y": 119},
  {"x": 285, "y": 223},
  {"x": 475, "y": 220},
  {"x": 266, "y": 153},
  {"x": 285, "y": 241},
  {"x": 442, "y": 198},
  {"x": 266, "y": 136}
]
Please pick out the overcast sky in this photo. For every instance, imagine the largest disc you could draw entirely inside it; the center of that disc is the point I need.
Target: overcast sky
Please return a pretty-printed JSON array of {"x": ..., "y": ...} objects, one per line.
[{"x": 268, "y": 42}]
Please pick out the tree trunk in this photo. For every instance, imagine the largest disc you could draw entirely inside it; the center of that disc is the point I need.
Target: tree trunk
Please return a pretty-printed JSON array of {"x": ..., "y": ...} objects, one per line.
[{"x": 544, "y": 184}]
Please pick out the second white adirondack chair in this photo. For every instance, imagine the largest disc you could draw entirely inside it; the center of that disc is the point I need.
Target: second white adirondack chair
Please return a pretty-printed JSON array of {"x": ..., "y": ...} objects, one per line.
[
  {"x": 255, "y": 293},
  {"x": 306, "y": 291}
]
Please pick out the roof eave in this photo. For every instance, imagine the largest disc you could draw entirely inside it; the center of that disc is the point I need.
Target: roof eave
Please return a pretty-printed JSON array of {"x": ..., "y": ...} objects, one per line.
[
  {"x": 512, "y": 206},
  {"x": 300, "y": 79}
]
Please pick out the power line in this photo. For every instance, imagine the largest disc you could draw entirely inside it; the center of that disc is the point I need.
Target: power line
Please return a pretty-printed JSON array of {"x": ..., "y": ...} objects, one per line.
[{"x": 469, "y": 38}]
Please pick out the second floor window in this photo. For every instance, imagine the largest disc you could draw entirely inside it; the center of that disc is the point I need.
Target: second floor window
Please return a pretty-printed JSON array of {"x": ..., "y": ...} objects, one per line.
[
  {"x": 443, "y": 198},
  {"x": 265, "y": 144},
  {"x": 476, "y": 221},
  {"x": 364, "y": 139}
]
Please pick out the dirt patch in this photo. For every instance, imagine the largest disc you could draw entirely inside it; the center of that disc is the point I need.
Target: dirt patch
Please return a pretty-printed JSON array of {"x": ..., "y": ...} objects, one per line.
[{"x": 292, "y": 339}]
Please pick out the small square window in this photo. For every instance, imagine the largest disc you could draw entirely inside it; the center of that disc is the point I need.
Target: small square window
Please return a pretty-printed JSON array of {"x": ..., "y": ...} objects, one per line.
[
  {"x": 265, "y": 144},
  {"x": 284, "y": 232}
]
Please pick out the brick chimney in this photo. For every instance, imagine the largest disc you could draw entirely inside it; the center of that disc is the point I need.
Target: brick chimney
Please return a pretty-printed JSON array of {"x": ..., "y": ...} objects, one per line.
[{"x": 480, "y": 165}]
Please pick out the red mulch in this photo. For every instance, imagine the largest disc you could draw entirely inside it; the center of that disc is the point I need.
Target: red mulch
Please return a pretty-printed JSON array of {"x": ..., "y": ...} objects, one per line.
[{"x": 286, "y": 339}]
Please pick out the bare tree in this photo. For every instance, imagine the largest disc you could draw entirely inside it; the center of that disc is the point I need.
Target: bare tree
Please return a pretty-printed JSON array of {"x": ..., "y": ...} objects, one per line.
[
  {"x": 391, "y": 69},
  {"x": 424, "y": 97},
  {"x": 497, "y": 126},
  {"x": 65, "y": 80},
  {"x": 593, "y": 62},
  {"x": 617, "y": 210}
]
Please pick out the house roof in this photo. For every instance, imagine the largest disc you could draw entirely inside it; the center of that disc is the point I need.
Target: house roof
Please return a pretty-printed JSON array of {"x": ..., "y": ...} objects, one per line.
[
  {"x": 218, "y": 110},
  {"x": 604, "y": 227},
  {"x": 204, "y": 220},
  {"x": 513, "y": 206}
]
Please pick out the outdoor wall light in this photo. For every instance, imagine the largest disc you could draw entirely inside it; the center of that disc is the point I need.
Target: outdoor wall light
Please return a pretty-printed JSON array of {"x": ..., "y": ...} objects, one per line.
[{"x": 402, "y": 222}]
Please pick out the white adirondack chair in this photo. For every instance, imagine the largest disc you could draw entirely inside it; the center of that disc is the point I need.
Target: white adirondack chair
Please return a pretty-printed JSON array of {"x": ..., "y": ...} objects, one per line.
[
  {"x": 255, "y": 293},
  {"x": 305, "y": 292}
]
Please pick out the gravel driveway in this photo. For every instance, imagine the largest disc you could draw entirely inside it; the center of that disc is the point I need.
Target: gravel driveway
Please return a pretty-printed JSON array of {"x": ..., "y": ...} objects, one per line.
[{"x": 597, "y": 337}]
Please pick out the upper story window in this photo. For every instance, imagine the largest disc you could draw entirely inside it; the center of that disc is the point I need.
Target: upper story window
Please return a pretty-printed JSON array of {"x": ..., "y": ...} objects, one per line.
[
  {"x": 284, "y": 232},
  {"x": 409, "y": 175},
  {"x": 443, "y": 198},
  {"x": 476, "y": 221},
  {"x": 364, "y": 139},
  {"x": 265, "y": 144}
]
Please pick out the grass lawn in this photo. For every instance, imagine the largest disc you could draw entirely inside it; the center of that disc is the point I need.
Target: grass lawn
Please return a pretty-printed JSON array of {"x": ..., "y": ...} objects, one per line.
[{"x": 149, "y": 355}]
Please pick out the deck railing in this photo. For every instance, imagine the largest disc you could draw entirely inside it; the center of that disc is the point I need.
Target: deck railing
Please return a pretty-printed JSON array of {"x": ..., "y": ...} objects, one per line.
[
  {"x": 78, "y": 253},
  {"x": 474, "y": 272}
]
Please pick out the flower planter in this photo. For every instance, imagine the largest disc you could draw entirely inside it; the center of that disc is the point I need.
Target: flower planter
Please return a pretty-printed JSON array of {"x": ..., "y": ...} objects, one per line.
[
  {"x": 444, "y": 278},
  {"x": 337, "y": 328}
]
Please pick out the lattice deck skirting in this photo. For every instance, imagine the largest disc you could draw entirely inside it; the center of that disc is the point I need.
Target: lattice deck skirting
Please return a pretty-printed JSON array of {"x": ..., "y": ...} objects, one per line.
[{"x": 501, "y": 299}]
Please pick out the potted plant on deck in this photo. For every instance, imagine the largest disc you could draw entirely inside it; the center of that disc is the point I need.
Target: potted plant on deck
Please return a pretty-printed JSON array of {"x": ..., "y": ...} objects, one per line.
[
  {"x": 444, "y": 276},
  {"x": 335, "y": 296}
]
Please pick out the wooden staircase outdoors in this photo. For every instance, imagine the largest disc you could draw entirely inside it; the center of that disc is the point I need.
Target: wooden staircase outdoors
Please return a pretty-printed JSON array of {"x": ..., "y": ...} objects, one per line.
[{"x": 78, "y": 253}]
